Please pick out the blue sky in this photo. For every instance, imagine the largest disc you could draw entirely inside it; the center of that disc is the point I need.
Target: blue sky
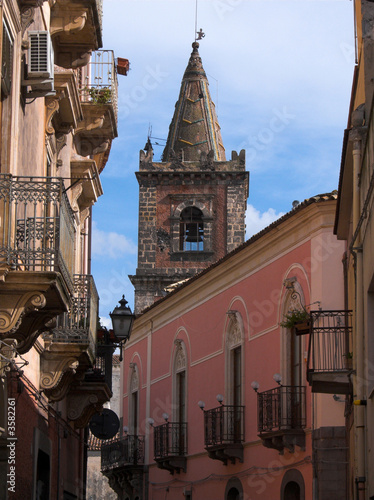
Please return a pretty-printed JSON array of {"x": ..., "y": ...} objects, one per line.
[{"x": 280, "y": 73}]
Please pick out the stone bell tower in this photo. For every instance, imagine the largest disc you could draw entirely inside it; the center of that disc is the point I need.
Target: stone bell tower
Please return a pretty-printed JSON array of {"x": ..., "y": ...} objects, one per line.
[{"x": 191, "y": 204}]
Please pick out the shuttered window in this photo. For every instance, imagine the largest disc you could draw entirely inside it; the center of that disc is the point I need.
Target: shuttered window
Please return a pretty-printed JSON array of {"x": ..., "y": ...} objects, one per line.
[{"x": 6, "y": 61}]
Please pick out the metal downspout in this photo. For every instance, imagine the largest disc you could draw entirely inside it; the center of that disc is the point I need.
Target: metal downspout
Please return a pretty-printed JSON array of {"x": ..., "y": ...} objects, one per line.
[{"x": 359, "y": 389}]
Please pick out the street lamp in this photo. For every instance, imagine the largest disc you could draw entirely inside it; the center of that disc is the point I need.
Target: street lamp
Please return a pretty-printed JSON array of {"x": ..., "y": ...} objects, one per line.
[{"x": 122, "y": 321}]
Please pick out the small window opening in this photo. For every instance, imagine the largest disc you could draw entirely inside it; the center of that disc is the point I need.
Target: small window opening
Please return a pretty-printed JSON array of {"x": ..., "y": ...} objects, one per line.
[{"x": 191, "y": 230}]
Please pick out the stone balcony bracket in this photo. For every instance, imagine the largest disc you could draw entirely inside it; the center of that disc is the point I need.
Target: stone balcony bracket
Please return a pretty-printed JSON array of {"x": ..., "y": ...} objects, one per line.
[
  {"x": 58, "y": 367},
  {"x": 88, "y": 188},
  {"x": 64, "y": 109},
  {"x": 76, "y": 30},
  {"x": 14, "y": 307},
  {"x": 85, "y": 400},
  {"x": 29, "y": 305}
]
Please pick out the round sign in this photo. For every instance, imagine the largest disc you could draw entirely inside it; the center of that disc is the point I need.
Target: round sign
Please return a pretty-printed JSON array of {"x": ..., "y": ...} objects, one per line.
[{"x": 104, "y": 425}]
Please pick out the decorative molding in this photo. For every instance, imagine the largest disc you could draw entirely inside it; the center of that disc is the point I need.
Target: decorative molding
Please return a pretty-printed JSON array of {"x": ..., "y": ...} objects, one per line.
[
  {"x": 27, "y": 18},
  {"x": 71, "y": 19},
  {"x": 76, "y": 192},
  {"x": 53, "y": 366},
  {"x": 180, "y": 361},
  {"x": 52, "y": 108},
  {"x": 134, "y": 384},
  {"x": 11, "y": 317}
]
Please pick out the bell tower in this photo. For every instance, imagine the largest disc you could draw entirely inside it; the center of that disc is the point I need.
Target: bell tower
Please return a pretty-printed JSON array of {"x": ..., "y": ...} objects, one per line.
[{"x": 191, "y": 204}]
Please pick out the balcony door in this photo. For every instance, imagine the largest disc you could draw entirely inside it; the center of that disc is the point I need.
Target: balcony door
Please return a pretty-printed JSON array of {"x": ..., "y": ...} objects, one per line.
[
  {"x": 234, "y": 380},
  {"x": 134, "y": 402},
  {"x": 237, "y": 391},
  {"x": 179, "y": 398}
]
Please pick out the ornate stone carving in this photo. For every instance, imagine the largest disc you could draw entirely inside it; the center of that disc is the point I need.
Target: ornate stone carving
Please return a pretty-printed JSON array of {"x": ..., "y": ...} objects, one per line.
[
  {"x": 53, "y": 368},
  {"x": 69, "y": 20},
  {"x": 60, "y": 144},
  {"x": 180, "y": 357},
  {"x": 234, "y": 336},
  {"x": 85, "y": 399},
  {"x": 10, "y": 318},
  {"x": 76, "y": 192},
  {"x": 52, "y": 108},
  {"x": 27, "y": 18},
  {"x": 134, "y": 385}
]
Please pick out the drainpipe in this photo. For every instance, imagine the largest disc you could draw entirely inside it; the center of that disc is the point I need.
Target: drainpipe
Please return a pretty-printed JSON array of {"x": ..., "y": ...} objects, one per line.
[{"x": 359, "y": 389}]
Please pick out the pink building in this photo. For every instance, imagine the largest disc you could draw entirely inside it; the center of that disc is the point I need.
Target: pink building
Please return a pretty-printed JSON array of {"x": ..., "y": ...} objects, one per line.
[{"x": 217, "y": 396}]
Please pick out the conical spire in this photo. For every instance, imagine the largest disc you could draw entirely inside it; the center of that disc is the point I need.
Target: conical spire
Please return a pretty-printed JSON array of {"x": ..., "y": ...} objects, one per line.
[{"x": 194, "y": 128}]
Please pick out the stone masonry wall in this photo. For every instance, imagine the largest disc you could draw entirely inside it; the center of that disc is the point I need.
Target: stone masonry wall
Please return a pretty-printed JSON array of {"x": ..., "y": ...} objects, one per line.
[{"x": 330, "y": 455}]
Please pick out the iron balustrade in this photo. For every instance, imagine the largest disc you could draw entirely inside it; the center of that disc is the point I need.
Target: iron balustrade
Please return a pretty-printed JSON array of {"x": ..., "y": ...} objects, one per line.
[
  {"x": 170, "y": 439},
  {"x": 281, "y": 408},
  {"x": 224, "y": 425},
  {"x": 125, "y": 451},
  {"x": 329, "y": 341},
  {"x": 99, "y": 84},
  {"x": 37, "y": 231},
  {"x": 79, "y": 325},
  {"x": 103, "y": 366}
]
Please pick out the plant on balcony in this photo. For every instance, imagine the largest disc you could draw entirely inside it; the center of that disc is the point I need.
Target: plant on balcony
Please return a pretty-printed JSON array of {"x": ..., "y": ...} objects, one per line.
[
  {"x": 298, "y": 320},
  {"x": 101, "y": 95}
]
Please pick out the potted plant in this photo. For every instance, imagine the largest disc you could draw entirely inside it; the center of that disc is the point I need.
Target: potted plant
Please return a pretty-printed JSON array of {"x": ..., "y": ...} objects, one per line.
[
  {"x": 298, "y": 320},
  {"x": 100, "y": 95}
]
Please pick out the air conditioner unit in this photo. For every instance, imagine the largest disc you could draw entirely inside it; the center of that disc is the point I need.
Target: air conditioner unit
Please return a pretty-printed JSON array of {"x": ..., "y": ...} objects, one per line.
[
  {"x": 39, "y": 74},
  {"x": 40, "y": 60}
]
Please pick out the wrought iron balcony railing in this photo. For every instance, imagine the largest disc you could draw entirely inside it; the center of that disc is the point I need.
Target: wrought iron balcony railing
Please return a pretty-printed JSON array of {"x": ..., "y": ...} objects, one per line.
[
  {"x": 100, "y": 85},
  {"x": 281, "y": 409},
  {"x": 37, "y": 231},
  {"x": 224, "y": 425},
  {"x": 170, "y": 439},
  {"x": 124, "y": 452},
  {"x": 329, "y": 341},
  {"x": 79, "y": 325},
  {"x": 102, "y": 369},
  {"x": 329, "y": 356}
]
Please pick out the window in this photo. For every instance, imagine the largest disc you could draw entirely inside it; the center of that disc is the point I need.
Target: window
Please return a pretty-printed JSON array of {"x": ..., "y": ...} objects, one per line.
[
  {"x": 7, "y": 61},
  {"x": 191, "y": 230},
  {"x": 134, "y": 402},
  {"x": 42, "y": 476}
]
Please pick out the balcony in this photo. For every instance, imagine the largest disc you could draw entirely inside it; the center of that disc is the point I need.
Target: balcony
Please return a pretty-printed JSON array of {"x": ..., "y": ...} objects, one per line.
[
  {"x": 37, "y": 238},
  {"x": 72, "y": 342},
  {"x": 329, "y": 358},
  {"x": 76, "y": 30},
  {"x": 122, "y": 462},
  {"x": 224, "y": 433},
  {"x": 102, "y": 368},
  {"x": 170, "y": 441},
  {"x": 98, "y": 91},
  {"x": 281, "y": 417}
]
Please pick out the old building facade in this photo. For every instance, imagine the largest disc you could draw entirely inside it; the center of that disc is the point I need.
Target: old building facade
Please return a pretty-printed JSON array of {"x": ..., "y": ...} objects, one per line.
[
  {"x": 58, "y": 119},
  {"x": 192, "y": 204},
  {"x": 219, "y": 397},
  {"x": 354, "y": 223}
]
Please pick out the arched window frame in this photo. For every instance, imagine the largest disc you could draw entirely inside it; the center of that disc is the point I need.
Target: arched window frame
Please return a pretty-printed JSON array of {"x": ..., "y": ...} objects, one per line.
[
  {"x": 295, "y": 476},
  {"x": 205, "y": 203},
  {"x": 234, "y": 341},
  {"x": 292, "y": 301},
  {"x": 179, "y": 376},
  {"x": 133, "y": 400},
  {"x": 191, "y": 230}
]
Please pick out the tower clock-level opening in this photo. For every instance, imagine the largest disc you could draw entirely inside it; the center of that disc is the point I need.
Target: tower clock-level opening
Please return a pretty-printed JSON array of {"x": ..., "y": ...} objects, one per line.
[{"x": 191, "y": 230}]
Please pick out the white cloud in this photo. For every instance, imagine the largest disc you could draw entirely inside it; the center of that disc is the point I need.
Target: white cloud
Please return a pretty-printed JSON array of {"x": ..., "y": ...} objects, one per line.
[
  {"x": 111, "y": 244},
  {"x": 106, "y": 322},
  {"x": 255, "y": 220}
]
